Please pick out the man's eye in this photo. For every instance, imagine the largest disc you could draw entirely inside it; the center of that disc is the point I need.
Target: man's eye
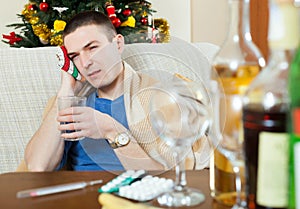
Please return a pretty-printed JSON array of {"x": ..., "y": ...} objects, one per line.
[
  {"x": 93, "y": 47},
  {"x": 73, "y": 58}
]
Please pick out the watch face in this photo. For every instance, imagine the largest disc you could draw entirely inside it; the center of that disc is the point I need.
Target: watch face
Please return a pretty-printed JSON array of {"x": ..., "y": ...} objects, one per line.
[{"x": 122, "y": 139}]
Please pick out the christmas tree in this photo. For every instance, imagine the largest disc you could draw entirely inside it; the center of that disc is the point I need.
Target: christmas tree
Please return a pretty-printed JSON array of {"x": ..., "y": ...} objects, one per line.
[{"x": 43, "y": 21}]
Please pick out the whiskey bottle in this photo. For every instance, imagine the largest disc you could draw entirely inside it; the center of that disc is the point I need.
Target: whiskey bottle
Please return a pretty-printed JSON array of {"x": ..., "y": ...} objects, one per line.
[{"x": 235, "y": 65}]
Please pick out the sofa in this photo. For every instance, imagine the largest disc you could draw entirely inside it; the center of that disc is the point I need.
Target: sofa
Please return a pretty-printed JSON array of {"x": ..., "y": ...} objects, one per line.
[{"x": 30, "y": 76}]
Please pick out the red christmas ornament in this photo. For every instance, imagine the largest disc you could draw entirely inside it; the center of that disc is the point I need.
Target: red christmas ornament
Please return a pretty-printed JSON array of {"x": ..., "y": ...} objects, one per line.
[
  {"x": 110, "y": 9},
  {"x": 31, "y": 7},
  {"x": 144, "y": 20},
  {"x": 116, "y": 22},
  {"x": 44, "y": 6},
  {"x": 126, "y": 12}
]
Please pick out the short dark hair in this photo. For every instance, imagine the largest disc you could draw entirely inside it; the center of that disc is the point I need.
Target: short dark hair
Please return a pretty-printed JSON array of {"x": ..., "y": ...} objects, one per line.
[{"x": 91, "y": 18}]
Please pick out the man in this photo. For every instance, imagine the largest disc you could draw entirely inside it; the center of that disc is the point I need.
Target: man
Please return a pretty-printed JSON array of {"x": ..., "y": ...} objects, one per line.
[{"x": 115, "y": 111}]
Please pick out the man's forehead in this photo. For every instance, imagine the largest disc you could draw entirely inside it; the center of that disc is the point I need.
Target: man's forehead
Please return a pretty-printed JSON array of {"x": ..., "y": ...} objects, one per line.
[{"x": 83, "y": 36}]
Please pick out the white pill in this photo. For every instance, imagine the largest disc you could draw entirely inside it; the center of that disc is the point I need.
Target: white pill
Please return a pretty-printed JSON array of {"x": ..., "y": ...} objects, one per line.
[{"x": 105, "y": 188}]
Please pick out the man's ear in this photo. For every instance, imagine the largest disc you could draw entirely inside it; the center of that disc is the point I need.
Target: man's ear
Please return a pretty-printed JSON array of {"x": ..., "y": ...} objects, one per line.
[{"x": 119, "y": 39}]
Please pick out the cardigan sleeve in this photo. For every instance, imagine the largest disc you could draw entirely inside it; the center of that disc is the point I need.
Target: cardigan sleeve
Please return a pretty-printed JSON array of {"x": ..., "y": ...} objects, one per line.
[{"x": 138, "y": 94}]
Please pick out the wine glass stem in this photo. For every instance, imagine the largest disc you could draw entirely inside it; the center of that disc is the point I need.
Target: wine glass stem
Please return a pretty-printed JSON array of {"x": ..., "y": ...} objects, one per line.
[
  {"x": 238, "y": 185},
  {"x": 180, "y": 173}
]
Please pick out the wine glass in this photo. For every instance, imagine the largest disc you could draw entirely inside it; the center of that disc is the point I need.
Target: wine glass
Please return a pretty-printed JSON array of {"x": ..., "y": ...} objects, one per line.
[{"x": 179, "y": 116}]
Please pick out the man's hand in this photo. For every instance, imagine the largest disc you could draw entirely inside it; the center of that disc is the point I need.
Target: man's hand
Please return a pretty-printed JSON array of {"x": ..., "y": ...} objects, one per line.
[
  {"x": 87, "y": 122},
  {"x": 69, "y": 85}
]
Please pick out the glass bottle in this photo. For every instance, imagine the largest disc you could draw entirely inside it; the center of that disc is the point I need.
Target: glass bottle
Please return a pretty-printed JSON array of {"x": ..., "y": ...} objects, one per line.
[
  {"x": 235, "y": 65},
  {"x": 294, "y": 129},
  {"x": 265, "y": 114}
]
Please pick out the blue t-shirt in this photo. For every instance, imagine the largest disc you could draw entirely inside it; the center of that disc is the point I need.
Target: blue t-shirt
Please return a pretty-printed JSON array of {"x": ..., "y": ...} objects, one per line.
[{"x": 96, "y": 154}]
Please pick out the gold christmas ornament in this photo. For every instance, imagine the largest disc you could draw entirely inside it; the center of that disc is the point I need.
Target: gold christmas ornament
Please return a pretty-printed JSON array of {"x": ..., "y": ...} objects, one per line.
[
  {"x": 59, "y": 25},
  {"x": 42, "y": 31},
  {"x": 130, "y": 22},
  {"x": 33, "y": 20},
  {"x": 163, "y": 28},
  {"x": 56, "y": 40}
]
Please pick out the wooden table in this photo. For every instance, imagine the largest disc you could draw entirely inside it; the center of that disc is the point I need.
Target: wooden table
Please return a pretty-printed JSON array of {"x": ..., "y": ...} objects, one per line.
[{"x": 11, "y": 183}]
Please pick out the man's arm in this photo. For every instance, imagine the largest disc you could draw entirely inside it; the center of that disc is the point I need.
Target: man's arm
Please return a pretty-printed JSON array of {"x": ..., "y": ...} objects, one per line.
[{"x": 45, "y": 149}]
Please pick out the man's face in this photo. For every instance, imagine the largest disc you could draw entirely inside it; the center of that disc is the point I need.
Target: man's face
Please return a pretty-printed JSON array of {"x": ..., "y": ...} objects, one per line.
[{"x": 97, "y": 59}]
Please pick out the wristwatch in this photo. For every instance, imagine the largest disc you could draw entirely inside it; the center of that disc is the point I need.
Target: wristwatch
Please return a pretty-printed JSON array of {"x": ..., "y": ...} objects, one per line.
[{"x": 122, "y": 139}]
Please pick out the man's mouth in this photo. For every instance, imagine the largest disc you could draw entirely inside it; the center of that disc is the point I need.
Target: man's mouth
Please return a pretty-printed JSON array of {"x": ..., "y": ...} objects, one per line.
[{"x": 94, "y": 73}]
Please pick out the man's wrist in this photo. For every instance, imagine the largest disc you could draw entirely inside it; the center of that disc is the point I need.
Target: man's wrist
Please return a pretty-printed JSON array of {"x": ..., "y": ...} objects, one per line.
[{"x": 64, "y": 92}]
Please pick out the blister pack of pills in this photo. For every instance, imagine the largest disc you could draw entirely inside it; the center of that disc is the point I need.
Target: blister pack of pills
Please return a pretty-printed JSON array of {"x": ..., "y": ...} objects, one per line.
[{"x": 137, "y": 185}]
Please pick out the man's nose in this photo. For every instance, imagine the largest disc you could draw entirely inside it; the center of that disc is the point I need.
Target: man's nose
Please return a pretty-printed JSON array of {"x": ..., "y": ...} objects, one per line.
[{"x": 85, "y": 60}]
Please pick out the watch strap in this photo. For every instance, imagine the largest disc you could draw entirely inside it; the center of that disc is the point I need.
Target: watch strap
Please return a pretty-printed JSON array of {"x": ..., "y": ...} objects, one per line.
[{"x": 113, "y": 145}]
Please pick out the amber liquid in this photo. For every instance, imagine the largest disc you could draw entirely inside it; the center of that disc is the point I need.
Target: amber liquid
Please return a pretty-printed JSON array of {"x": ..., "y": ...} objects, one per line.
[
  {"x": 234, "y": 84},
  {"x": 236, "y": 81},
  {"x": 223, "y": 181},
  {"x": 255, "y": 121}
]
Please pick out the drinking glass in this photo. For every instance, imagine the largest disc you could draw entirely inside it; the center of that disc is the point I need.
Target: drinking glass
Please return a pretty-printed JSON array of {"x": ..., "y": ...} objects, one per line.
[
  {"x": 71, "y": 101},
  {"x": 179, "y": 117}
]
